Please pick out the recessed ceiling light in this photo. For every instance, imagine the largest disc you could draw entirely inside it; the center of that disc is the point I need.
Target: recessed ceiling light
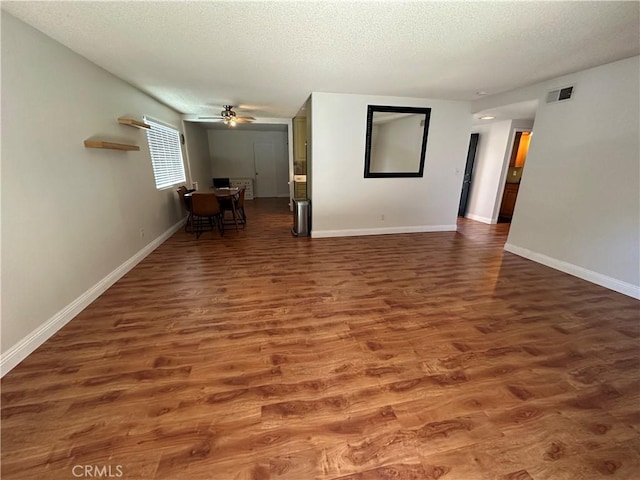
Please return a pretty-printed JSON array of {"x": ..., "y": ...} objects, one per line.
[
  {"x": 481, "y": 92},
  {"x": 487, "y": 117}
]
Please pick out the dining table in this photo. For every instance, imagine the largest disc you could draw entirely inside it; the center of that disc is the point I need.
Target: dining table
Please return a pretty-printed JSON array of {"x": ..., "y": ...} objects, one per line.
[{"x": 225, "y": 193}]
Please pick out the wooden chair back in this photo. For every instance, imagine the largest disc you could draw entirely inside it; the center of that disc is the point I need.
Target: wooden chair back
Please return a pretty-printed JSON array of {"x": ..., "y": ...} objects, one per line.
[
  {"x": 204, "y": 205},
  {"x": 181, "y": 192}
]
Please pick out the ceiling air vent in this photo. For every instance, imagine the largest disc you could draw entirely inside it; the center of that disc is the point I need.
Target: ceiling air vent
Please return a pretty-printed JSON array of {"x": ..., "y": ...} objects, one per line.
[{"x": 560, "y": 94}]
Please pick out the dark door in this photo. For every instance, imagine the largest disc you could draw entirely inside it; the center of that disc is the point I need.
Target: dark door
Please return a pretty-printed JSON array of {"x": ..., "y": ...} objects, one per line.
[{"x": 468, "y": 169}]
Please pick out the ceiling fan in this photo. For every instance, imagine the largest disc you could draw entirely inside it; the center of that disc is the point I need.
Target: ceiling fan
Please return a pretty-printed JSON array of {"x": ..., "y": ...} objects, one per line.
[{"x": 229, "y": 117}]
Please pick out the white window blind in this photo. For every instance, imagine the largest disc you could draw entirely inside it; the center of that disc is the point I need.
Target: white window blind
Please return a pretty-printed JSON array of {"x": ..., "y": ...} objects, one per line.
[{"x": 166, "y": 154}]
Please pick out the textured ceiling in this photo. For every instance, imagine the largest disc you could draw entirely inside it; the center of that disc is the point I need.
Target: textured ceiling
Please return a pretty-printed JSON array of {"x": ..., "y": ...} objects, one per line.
[{"x": 269, "y": 56}]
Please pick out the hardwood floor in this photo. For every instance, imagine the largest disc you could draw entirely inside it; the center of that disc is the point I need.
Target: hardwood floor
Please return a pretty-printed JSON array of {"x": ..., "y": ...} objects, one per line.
[{"x": 267, "y": 357}]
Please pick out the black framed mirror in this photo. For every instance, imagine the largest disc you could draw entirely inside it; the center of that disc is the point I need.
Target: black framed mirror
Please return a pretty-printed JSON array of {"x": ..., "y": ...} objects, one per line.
[{"x": 396, "y": 141}]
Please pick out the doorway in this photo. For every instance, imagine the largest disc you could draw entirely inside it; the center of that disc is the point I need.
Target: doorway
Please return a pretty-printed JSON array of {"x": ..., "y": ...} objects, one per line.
[
  {"x": 264, "y": 158},
  {"x": 468, "y": 170},
  {"x": 514, "y": 175}
]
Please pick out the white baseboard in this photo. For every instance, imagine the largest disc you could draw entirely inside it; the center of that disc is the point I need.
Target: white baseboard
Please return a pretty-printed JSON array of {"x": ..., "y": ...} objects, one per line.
[
  {"x": 382, "y": 231},
  {"x": 589, "y": 275},
  {"x": 18, "y": 352},
  {"x": 478, "y": 218}
]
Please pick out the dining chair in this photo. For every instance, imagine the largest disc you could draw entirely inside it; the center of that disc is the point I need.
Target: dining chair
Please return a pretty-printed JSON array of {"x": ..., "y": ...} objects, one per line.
[
  {"x": 186, "y": 202},
  {"x": 240, "y": 207},
  {"x": 206, "y": 209},
  {"x": 226, "y": 205}
]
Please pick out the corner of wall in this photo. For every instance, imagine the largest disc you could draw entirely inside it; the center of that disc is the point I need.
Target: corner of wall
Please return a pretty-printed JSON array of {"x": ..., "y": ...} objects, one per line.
[
  {"x": 589, "y": 275},
  {"x": 18, "y": 352}
]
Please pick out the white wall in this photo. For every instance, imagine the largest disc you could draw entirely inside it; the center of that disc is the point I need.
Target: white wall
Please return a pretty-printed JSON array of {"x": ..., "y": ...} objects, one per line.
[
  {"x": 346, "y": 203},
  {"x": 578, "y": 205},
  {"x": 492, "y": 160},
  {"x": 197, "y": 147},
  {"x": 231, "y": 153},
  {"x": 485, "y": 179},
  {"x": 71, "y": 216}
]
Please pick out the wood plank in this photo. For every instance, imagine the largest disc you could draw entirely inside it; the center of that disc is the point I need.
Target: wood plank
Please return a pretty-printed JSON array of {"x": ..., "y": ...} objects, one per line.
[
  {"x": 133, "y": 122},
  {"x": 110, "y": 145},
  {"x": 259, "y": 355}
]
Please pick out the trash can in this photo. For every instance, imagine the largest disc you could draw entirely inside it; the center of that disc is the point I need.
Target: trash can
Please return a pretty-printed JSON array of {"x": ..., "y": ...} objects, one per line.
[{"x": 301, "y": 217}]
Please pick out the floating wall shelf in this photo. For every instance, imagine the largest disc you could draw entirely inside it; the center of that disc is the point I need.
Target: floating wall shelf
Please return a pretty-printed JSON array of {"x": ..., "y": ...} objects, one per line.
[
  {"x": 110, "y": 145},
  {"x": 132, "y": 123}
]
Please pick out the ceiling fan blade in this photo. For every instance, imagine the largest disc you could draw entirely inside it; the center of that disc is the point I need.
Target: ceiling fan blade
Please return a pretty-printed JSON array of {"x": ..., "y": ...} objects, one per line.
[
  {"x": 217, "y": 117},
  {"x": 251, "y": 119}
]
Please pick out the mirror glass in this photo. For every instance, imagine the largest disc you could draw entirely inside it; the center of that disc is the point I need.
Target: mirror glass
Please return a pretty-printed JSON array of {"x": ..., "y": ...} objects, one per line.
[{"x": 396, "y": 141}]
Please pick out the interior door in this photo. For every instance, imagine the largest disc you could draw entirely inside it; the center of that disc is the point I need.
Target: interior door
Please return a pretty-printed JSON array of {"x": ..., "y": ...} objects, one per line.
[
  {"x": 264, "y": 157},
  {"x": 468, "y": 170}
]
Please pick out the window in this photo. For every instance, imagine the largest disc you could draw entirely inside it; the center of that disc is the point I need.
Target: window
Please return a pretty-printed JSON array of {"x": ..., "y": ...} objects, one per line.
[{"x": 166, "y": 154}]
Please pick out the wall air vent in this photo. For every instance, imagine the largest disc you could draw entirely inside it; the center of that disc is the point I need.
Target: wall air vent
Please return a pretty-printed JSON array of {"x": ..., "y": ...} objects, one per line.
[{"x": 560, "y": 94}]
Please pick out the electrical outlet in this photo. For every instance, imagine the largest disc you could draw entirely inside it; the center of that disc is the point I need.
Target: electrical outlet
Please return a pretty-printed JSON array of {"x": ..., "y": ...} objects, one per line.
[
  {"x": 382, "y": 217},
  {"x": 142, "y": 233}
]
